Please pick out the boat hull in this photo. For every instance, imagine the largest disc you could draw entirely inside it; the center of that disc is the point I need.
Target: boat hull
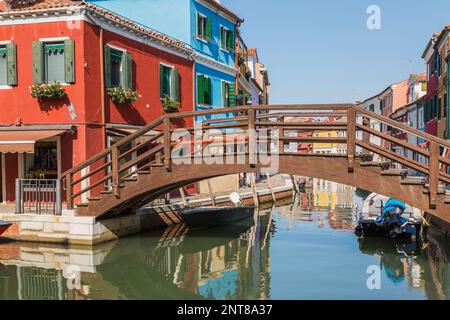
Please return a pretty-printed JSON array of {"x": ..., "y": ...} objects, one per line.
[
  {"x": 4, "y": 226},
  {"x": 207, "y": 217},
  {"x": 368, "y": 227}
]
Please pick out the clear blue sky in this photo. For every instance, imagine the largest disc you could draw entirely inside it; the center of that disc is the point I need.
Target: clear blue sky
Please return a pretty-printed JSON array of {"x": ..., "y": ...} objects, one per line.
[{"x": 320, "y": 51}]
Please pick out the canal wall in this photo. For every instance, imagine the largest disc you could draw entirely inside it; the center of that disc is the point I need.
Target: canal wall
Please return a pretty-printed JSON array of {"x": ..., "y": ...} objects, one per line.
[{"x": 87, "y": 231}]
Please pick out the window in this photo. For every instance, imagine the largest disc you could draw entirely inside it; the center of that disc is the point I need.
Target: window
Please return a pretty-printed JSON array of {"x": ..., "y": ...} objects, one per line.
[
  {"x": 226, "y": 39},
  {"x": 204, "y": 90},
  {"x": 372, "y": 108},
  {"x": 118, "y": 68},
  {"x": 204, "y": 27},
  {"x": 8, "y": 70},
  {"x": 228, "y": 94},
  {"x": 53, "y": 62},
  {"x": 169, "y": 82}
]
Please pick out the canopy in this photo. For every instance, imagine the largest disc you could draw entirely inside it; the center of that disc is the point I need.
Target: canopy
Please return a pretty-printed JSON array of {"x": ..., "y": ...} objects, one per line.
[{"x": 22, "y": 141}]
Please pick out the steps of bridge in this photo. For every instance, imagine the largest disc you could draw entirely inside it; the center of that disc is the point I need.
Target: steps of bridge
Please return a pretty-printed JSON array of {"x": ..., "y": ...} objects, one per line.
[
  {"x": 94, "y": 198},
  {"x": 106, "y": 192},
  {"x": 395, "y": 172},
  {"x": 82, "y": 205},
  {"x": 382, "y": 164},
  {"x": 413, "y": 181},
  {"x": 144, "y": 172},
  {"x": 131, "y": 179},
  {"x": 447, "y": 200},
  {"x": 442, "y": 189}
]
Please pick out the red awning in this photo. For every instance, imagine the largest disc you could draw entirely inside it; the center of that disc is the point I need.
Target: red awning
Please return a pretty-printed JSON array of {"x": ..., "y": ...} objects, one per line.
[{"x": 17, "y": 141}]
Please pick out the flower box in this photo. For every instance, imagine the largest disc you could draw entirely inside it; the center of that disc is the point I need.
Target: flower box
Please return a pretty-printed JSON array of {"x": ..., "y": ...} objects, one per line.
[
  {"x": 120, "y": 95},
  {"x": 45, "y": 91}
]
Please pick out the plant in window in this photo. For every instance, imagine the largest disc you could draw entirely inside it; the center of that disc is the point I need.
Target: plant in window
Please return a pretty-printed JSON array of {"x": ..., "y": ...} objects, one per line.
[
  {"x": 44, "y": 91},
  {"x": 123, "y": 96},
  {"x": 170, "y": 105}
]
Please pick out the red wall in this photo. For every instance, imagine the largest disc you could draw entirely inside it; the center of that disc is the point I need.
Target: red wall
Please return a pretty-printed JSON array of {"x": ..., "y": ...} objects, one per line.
[{"x": 85, "y": 94}]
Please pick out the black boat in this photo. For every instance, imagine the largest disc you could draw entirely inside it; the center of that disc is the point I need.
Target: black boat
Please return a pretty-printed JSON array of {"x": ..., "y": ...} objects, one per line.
[{"x": 215, "y": 216}]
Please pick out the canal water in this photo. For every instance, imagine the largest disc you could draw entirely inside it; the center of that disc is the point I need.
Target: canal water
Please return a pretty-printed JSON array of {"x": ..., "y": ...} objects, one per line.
[{"x": 305, "y": 250}]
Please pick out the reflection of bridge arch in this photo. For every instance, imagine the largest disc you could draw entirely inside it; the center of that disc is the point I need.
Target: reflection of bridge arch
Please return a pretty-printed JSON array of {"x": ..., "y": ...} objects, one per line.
[{"x": 142, "y": 168}]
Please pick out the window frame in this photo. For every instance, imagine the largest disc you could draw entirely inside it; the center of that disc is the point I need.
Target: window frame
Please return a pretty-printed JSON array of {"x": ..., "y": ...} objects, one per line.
[
  {"x": 171, "y": 67},
  {"x": 6, "y": 86},
  {"x": 45, "y": 41},
  {"x": 201, "y": 37},
  {"x": 210, "y": 102},
  {"x": 228, "y": 33}
]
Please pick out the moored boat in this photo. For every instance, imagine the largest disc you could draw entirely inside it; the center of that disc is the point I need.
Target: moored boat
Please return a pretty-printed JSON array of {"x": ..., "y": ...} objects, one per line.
[
  {"x": 4, "y": 226},
  {"x": 215, "y": 216}
]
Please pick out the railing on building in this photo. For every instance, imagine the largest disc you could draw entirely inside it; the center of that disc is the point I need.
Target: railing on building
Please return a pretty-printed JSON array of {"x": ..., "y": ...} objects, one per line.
[{"x": 38, "y": 196}]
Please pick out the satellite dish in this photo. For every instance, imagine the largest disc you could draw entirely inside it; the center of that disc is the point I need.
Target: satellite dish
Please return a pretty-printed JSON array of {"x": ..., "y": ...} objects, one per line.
[{"x": 235, "y": 198}]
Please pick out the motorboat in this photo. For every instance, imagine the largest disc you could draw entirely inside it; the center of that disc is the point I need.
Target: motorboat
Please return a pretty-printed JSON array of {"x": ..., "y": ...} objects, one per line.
[
  {"x": 390, "y": 222},
  {"x": 217, "y": 216}
]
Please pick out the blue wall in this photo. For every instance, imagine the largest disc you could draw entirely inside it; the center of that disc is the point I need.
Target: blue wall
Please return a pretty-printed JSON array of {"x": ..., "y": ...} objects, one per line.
[
  {"x": 212, "y": 48},
  {"x": 171, "y": 17}
]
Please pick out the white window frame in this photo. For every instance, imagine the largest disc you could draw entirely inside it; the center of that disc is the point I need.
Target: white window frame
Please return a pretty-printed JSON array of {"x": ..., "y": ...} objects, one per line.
[
  {"x": 220, "y": 43},
  {"x": 54, "y": 39},
  {"x": 124, "y": 51},
  {"x": 5, "y": 86},
  {"x": 197, "y": 36}
]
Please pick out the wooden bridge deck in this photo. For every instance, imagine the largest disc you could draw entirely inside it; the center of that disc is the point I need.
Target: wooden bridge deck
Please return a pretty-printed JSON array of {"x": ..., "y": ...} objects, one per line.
[{"x": 140, "y": 168}]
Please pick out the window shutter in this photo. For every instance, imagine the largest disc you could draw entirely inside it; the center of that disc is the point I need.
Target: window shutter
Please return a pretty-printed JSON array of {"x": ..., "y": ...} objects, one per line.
[
  {"x": 222, "y": 38},
  {"x": 107, "y": 67},
  {"x": 38, "y": 62},
  {"x": 127, "y": 71},
  {"x": 69, "y": 68},
  {"x": 11, "y": 60},
  {"x": 200, "y": 89},
  {"x": 208, "y": 99},
  {"x": 230, "y": 40},
  {"x": 161, "y": 81},
  {"x": 208, "y": 32},
  {"x": 231, "y": 95},
  {"x": 175, "y": 85}
]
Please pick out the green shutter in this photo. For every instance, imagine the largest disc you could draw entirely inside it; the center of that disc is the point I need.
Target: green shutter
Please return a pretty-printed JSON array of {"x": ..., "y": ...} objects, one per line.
[
  {"x": 69, "y": 67},
  {"x": 161, "y": 81},
  {"x": 230, "y": 40},
  {"x": 231, "y": 95},
  {"x": 222, "y": 38},
  {"x": 38, "y": 62},
  {"x": 208, "y": 31},
  {"x": 11, "y": 60},
  {"x": 127, "y": 71},
  {"x": 208, "y": 91},
  {"x": 200, "y": 89},
  {"x": 107, "y": 67},
  {"x": 175, "y": 85}
]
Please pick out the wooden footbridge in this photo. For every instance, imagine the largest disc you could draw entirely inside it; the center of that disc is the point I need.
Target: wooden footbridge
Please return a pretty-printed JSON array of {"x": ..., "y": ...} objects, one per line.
[{"x": 159, "y": 158}]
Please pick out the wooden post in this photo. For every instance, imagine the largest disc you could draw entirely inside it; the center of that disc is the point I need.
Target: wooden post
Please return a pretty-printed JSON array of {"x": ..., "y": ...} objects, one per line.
[
  {"x": 167, "y": 155},
  {"x": 280, "y": 137},
  {"x": 295, "y": 185},
  {"x": 69, "y": 191},
  {"x": 115, "y": 171},
  {"x": 211, "y": 193},
  {"x": 351, "y": 138},
  {"x": 434, "y": 173},
  {"x": 183, "y": 196},
  {"x": 252, "y": 138},
  {"x": 366, "y": 135},
  {"x": 270, "y": 188}
]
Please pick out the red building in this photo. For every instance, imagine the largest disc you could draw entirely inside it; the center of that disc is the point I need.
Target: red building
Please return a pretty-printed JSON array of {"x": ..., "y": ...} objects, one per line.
[{"x": 88, "y": 50}]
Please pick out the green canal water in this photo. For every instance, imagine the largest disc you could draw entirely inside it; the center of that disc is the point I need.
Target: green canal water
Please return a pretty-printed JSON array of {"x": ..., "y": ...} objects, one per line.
[{"x": 301, "y": 251}]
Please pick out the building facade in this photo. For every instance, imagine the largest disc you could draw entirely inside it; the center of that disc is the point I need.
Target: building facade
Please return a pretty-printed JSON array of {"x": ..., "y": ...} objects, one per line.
[
  {"x": 206, "y": 26},
  {"x": 88, "y": 51}
]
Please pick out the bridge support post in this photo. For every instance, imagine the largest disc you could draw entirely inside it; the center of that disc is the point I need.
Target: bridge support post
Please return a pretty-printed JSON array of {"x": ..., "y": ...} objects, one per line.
[
  {"x": 167, "y": 155},
  {"x": 351, "y": 139},
  {"x": 280, "y": 137},
  {"x": 115, "y": 171},
  {"x": 69, "y": 191},
  {"x": 434, "y": 173},
  {"x": 252, "y": 144}
]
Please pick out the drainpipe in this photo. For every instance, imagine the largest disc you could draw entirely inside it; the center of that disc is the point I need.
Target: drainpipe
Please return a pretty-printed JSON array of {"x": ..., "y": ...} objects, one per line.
[{"x": 102, "y": 88}]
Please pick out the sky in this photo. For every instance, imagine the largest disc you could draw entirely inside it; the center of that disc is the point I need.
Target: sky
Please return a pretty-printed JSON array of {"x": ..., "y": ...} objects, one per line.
[{"x": 321, "y": 51}]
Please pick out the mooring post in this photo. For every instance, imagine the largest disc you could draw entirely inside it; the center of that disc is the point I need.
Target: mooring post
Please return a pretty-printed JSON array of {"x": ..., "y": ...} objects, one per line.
[
  {"x": 270, "y": 187},
  {"x": 252, "y": 138},
  {"x": 183, "y": 196},
  {"x": 18, "y": 197},
  {"x": 69, "y": 199},
  {"x": 211, "y": 193},
  {"x": 167, "y": 156},
  {"x": 351, "y": 138},
  {"x": 434, "y": 173}
]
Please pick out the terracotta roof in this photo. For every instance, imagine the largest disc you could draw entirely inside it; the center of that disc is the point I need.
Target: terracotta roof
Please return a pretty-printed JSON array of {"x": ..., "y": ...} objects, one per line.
[
  {"x": 218, "y": 5},
  {"x": 42, "y": 5},
  {"x": 421, "y": 77},
  {"x": 251, "y": 51}
]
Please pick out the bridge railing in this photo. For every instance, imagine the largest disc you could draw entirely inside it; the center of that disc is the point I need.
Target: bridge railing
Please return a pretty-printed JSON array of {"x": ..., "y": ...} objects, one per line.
[{"x": 336, "y": 129}]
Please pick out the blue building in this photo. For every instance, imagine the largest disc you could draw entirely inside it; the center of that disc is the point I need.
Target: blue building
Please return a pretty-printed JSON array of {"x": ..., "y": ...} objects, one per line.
[{"x": 207, "y": 26}]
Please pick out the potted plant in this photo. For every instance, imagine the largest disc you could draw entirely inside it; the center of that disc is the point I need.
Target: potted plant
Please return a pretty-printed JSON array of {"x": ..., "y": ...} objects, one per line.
[
  {"x": 120, "y": 95},
  {"x": 170, "y": 105},
  {"x": 45, "y": 91}
]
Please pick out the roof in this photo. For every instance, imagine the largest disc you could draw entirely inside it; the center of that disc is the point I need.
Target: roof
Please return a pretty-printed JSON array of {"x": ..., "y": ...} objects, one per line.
[
  {"x": 21, "y": 6},
  {"x": 442, "y": 35},
  {"x": 218, "y": 5},
  {"x": 421, "y": 77},
  {"x": 431, "y": 43}
]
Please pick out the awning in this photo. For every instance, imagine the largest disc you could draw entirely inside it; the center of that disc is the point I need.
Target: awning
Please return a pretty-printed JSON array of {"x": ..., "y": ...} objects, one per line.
[{"x": 16, "y": 141}]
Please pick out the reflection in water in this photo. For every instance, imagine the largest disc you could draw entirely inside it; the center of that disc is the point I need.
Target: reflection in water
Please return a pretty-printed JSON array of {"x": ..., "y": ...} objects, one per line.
[{"x": 306, "y": 250}]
